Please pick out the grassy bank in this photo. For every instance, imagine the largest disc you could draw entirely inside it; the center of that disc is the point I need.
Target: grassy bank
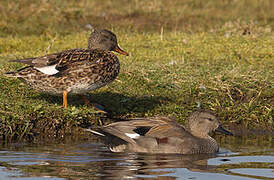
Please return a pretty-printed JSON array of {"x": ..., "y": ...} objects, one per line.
[{"x": 225, "y": 64}]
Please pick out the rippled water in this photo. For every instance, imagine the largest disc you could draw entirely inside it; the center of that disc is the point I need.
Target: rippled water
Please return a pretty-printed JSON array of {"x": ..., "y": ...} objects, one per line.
[{"x": 239, "y": 158}]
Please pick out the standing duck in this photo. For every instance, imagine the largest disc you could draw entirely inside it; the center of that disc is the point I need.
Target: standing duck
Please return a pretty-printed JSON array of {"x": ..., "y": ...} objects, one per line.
[
  {"x": 163, "y": 135},
  {"x": 75, "y": 71}
]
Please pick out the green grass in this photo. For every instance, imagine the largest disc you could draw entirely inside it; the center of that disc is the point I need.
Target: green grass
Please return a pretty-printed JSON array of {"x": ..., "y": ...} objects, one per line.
[{"x": 209, "y": 52}]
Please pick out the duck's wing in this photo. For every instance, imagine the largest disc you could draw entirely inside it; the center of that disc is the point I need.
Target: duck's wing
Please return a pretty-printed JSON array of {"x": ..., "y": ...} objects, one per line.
[
  {"x": 162, "y": 135},
  {"x": 53, "y": 63},
  {"x": 160, "y": 127},
  {"x": 155, "y": 135},
  {"x": 41, "y": 61},
  {"x": 157, "y": 127},
  {"x": 69, "y": 57},
  {"x": 46, "y": 64}
]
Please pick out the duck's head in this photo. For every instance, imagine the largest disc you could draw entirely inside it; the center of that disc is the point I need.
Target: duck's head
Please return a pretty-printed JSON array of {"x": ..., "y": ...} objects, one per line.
[
  {"x": 104, "y": 40},
  {"x": 201, "y": 123}
]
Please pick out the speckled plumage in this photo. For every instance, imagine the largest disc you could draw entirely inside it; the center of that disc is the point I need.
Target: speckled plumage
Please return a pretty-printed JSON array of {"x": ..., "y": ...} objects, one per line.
[
  {"x": 75, "y": 71},
  {"x": 80, "y": 71}
]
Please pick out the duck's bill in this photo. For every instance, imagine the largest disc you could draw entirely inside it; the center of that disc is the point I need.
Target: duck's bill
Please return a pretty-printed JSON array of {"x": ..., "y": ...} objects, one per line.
[
  {"x": 119, "y": 50},
  {"x": 224, "y": 131}
]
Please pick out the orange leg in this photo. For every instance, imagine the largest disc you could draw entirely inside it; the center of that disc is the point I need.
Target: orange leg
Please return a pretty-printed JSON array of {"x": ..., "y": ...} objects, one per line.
[{"x": 65, "y": 99}]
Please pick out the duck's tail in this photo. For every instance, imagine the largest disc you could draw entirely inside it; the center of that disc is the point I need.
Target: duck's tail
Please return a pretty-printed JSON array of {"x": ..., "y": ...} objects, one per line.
[
  {"x": 15, "y": 73},
  {"x": 11, "y": 74},
  {"x": 114, "y": 143},
  {"x": 94, "y": 132}
]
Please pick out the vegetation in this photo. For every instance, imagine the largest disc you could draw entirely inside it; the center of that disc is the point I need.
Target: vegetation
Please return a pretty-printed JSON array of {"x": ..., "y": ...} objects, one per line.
[{"x": 182, "y": 53}]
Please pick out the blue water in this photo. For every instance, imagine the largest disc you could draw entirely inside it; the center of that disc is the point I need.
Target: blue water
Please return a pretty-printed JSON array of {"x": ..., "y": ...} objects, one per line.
[{"x": 248, "y": 158}]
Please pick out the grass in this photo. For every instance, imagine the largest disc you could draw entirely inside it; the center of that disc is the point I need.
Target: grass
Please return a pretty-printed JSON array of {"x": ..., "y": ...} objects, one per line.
[
  {"x": 194, "y": 52},
  {"x": 29, "y": 17}
]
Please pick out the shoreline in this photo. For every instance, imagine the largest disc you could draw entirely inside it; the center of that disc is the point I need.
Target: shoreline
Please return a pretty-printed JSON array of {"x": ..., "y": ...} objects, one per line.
[{"x": 64, "y": 132}]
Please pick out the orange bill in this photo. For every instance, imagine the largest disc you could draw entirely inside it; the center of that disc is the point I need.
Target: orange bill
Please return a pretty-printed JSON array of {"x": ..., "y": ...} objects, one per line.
[{"x": 119, "y": 50}]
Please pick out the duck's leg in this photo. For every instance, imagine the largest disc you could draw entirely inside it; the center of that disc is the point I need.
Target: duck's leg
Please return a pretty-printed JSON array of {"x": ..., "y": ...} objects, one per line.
[
  {"x": 65, "y": 99},
  {"x": 96, "y": 106}
]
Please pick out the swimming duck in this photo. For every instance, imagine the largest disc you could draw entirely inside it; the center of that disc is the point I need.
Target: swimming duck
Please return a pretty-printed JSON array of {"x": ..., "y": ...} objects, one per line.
[
  {"x": 75, "y": 71},
  {"x": 163, "y": 135}
]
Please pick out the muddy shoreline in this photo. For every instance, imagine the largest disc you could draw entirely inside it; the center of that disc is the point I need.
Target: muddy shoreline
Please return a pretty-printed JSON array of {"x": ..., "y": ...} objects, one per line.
[{"x": 51, "y": 131}]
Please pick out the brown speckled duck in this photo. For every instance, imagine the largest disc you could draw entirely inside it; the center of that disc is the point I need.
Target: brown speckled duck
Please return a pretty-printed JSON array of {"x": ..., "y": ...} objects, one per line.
[
  {"x": 76, "y": 71},
  {"x": 163, "y": 135}
]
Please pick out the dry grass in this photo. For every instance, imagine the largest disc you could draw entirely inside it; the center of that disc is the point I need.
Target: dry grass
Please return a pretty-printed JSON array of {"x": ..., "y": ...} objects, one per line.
[{"x": 27, "y": 17}]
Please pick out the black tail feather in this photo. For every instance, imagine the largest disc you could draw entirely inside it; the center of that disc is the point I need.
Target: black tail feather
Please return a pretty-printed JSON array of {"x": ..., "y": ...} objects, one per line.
[
  {"x": 15, "y": 73},
  {"x": 10, "y": 74}
]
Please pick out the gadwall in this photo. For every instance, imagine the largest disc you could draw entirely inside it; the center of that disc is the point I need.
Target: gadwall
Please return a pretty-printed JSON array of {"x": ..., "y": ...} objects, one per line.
[
  {"x": 75, "y": 71},
  {"x": 163, "y": 135}
]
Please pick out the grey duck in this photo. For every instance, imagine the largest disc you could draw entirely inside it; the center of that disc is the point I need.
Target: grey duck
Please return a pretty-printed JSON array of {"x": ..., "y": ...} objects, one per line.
[{"x": 163, "y": 134}]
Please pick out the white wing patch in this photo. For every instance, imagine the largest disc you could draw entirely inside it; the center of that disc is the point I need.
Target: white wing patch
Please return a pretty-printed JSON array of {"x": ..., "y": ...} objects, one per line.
[
  {"x": 132, "y": 135},
  {"x": 49, "y": 70}
]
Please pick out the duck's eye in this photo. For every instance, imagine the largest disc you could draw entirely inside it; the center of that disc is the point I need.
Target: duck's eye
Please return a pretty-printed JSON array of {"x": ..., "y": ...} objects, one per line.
[{"x": 210, "y": 119}]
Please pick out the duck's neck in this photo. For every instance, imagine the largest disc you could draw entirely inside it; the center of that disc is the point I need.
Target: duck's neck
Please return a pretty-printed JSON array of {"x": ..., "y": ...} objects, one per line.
[
  {"x": 200, "y": 134},
  {"x": 207, "y": 143}
]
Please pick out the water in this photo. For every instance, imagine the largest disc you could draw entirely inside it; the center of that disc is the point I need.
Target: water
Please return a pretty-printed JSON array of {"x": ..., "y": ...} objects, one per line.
[{"x": 239, "y": 158}]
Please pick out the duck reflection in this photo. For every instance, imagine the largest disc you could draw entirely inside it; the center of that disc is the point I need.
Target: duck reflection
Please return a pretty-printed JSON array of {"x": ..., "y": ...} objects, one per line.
[
  {"x": 95, "y": 161},
  {"x": 150, "y": 166}
]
